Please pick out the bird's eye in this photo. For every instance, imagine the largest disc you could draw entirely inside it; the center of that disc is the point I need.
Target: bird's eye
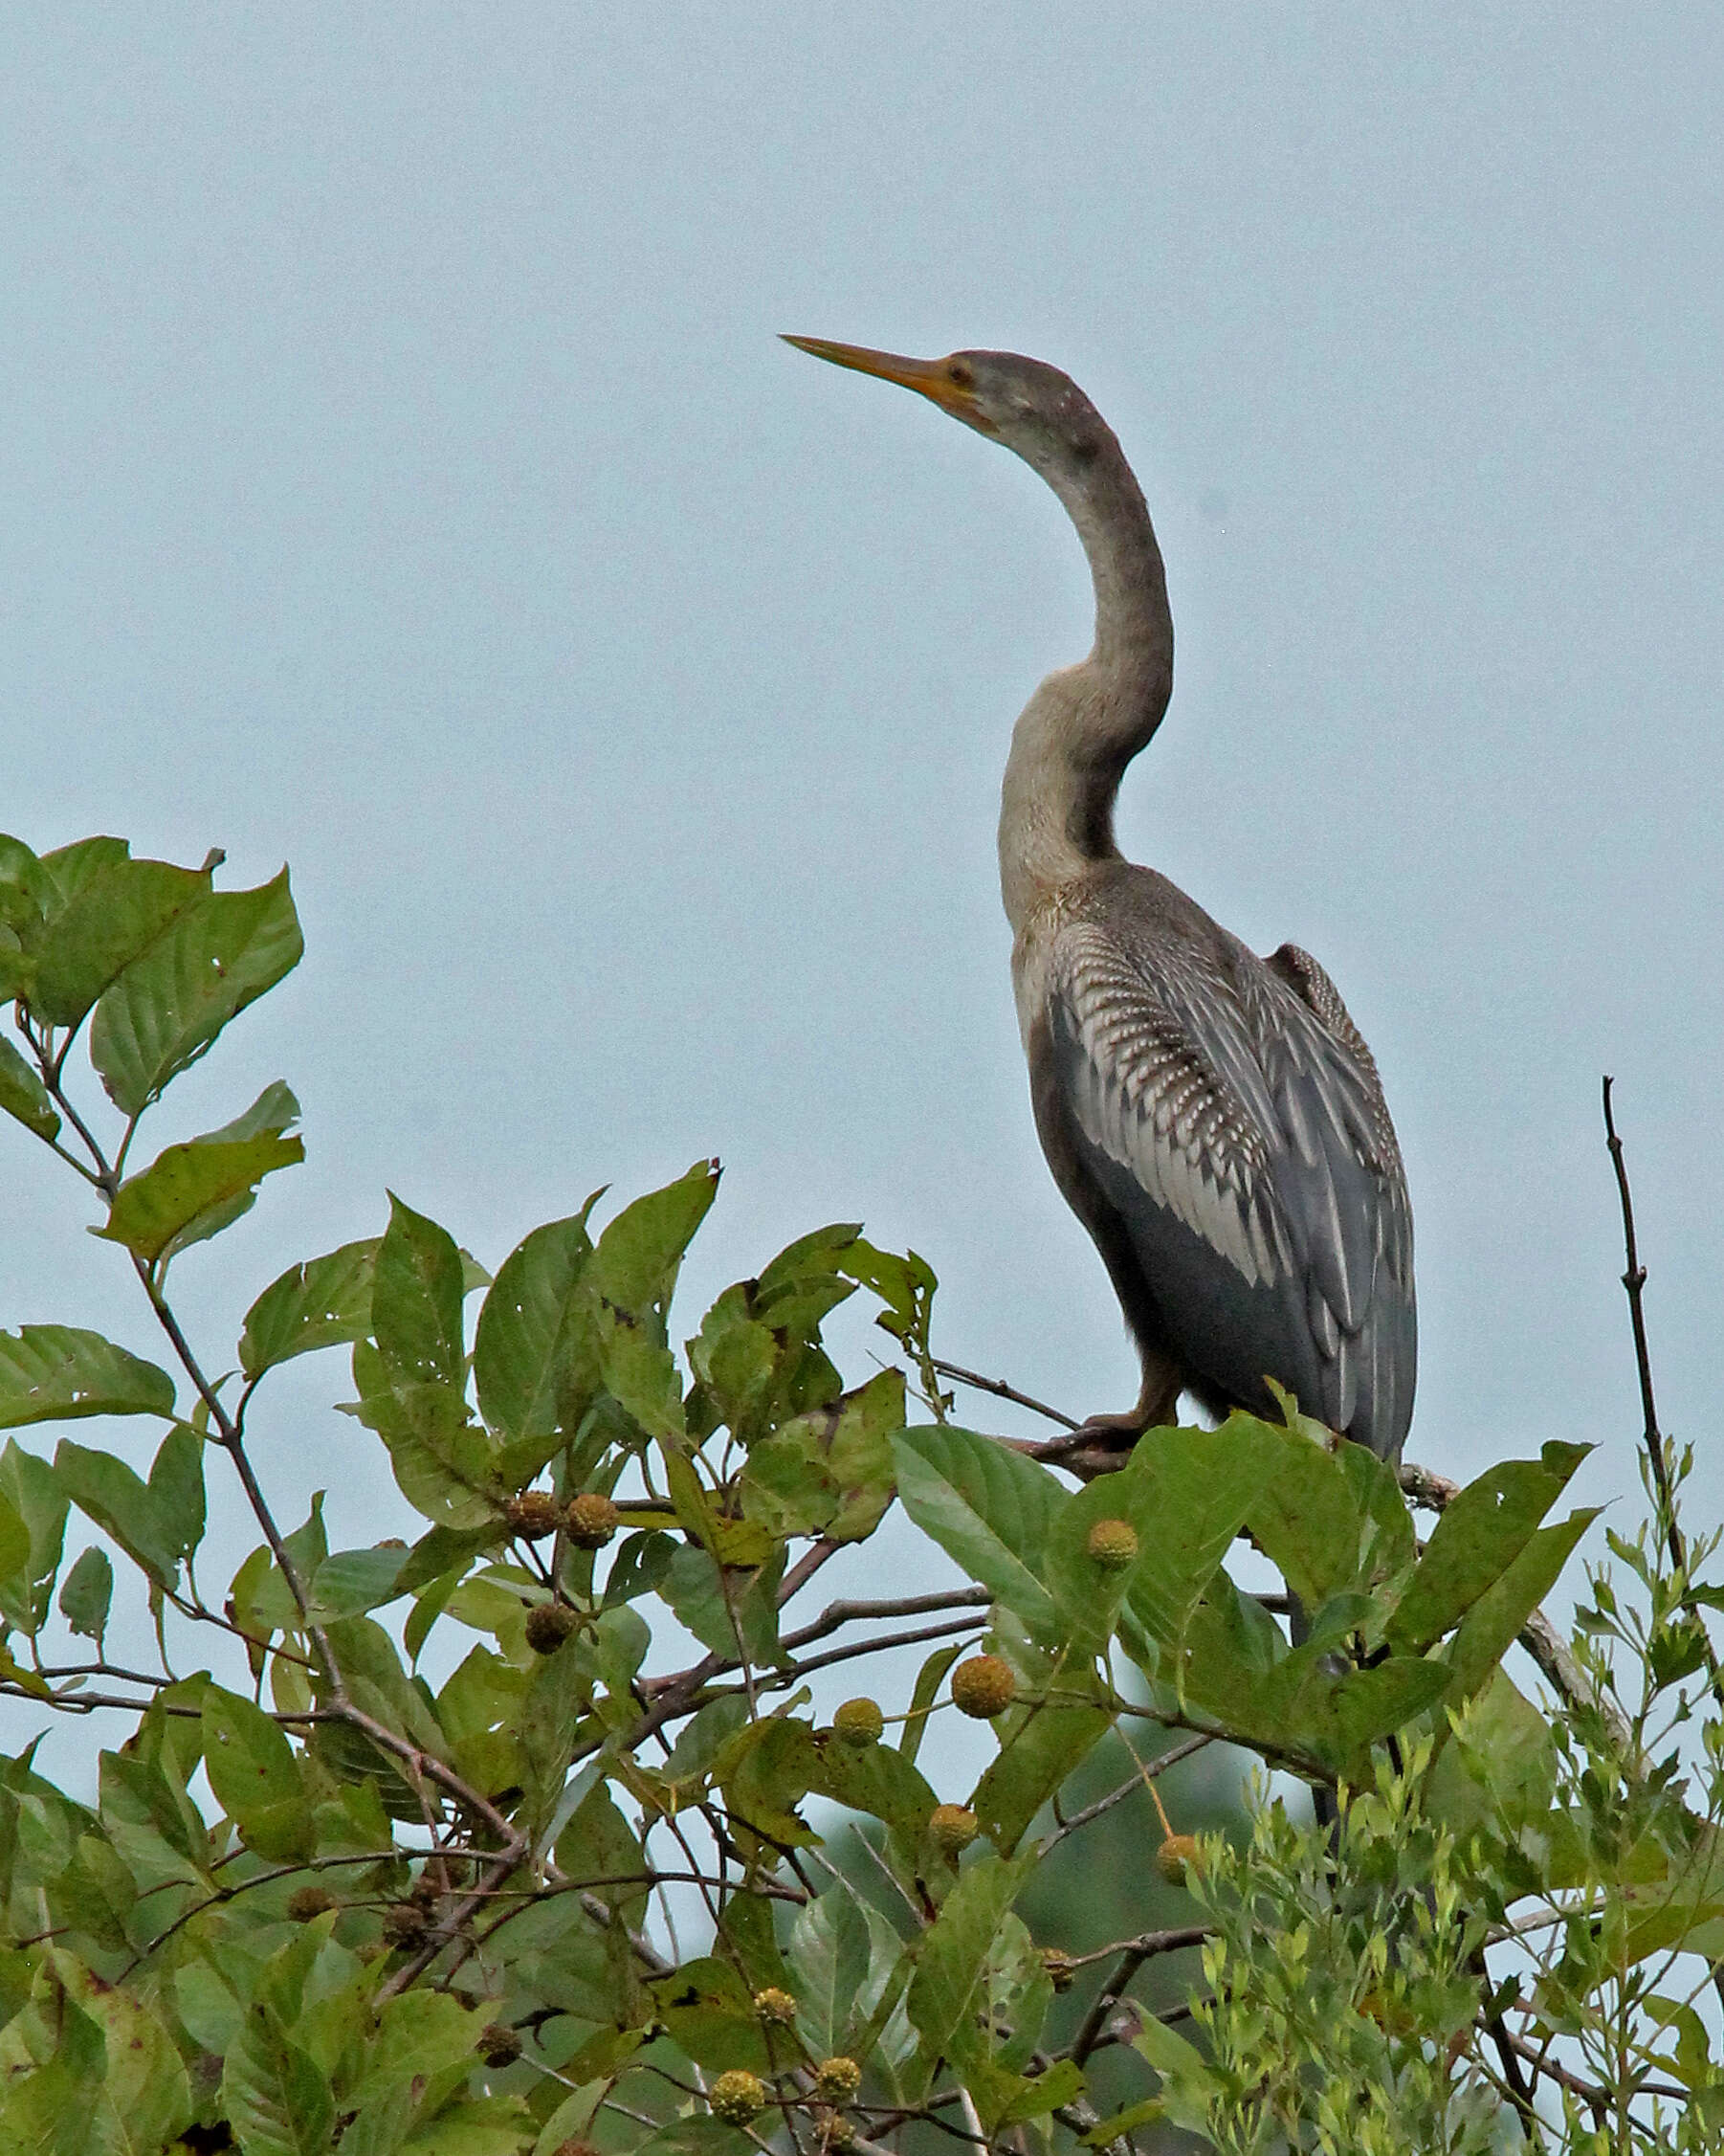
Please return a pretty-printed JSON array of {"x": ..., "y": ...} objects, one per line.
[{"x": 960, "y": 372}]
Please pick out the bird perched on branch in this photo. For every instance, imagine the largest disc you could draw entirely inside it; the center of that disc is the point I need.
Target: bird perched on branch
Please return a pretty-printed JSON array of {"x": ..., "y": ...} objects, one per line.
[{"x": 1214, "y": 1119}]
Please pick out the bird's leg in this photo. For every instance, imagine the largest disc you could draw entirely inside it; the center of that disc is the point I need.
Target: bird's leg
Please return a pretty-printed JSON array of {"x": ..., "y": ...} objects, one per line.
[{"x": 1117, "y": 1434}]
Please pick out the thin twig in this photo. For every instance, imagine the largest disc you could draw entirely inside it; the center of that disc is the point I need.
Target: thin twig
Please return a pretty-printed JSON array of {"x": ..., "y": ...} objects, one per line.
[
  {"x": 1001, "y": 1390},
  {"x": 1147, "y": 1772},
  {"x": 1653, "y": 1442},
  {"x": 836, "y": 1614},
  {"x": 1144, "y": 1948}
]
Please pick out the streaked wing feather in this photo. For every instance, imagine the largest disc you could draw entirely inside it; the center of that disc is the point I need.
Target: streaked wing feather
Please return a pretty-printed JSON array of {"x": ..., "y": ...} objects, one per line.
[{"x": 1240, "y": 1137}]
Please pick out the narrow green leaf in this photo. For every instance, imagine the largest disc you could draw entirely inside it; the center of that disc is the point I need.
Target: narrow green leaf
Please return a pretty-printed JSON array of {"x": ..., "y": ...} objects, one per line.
[
  {"x": 110, "y": 920},
  {"x": 87, "y": 1592},
  {"x": 169, "y": 1006},
  {"x": 176, "y": 1488},
  {"x": 951, "y": 1973},
  {"x": 112, "y": 1494},
  {"x": 323, "y": 1303},
  {"x": 1481, "y": 1532},
  {"x": 535, "y": 1329},
  {"x": 26, "y": 887},
  {"x": 55, "y": 1374},
  {"x": 1034, "y": 1761},
  {"x": 256, "y": 1776},
  {"x": 353, "y": 1581},
  {"x": 23, "y": 1095},
  {"x": 274, "y": 2094},
  {"x": 828, "y": 1957},
  {"x": 193, "y": 1190},
  {"x": 635, "y": 1265},
  {"x": 929, "y": 1679},
  {"x": 1492, "y": 1624},
  {"x": 32, "y": 1495},
  {"x": 416, "y": 1296},
  {"x": 559, "y": 1694},
  {"x": 145, "y": 2096},
  {"x": 991, "y": 1510}
]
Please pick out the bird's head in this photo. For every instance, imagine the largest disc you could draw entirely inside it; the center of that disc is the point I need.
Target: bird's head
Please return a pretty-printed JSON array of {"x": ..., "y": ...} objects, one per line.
[{"x": 1031, "y": 406}]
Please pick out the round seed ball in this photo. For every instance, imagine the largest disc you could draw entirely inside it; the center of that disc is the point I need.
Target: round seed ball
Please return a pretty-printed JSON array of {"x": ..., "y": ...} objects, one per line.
[
  {"x": 591, "y": 1519},
  {"x": 738, "y": 2096},
  {"x": 859, "y": 1722},
  {"x": 983, "y": 1686},
  {"x": 953, "y": 1828},
  {"x": 1112, "y": 1544},
  {"x": 548, "y": 1625}
]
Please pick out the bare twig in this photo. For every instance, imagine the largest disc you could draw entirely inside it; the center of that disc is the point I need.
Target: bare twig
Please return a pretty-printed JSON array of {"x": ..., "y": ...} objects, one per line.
[
  {"x": 1147, "y": 1772},
  {"x": 1144, "y": 1948},
  {"x": 836, "y": 1614},
  {"x": 1001, "y": 1390}
]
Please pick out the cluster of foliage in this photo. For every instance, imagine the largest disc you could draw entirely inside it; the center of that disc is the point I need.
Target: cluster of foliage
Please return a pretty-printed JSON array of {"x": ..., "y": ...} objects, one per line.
[{"x": 409, "y": 1882}]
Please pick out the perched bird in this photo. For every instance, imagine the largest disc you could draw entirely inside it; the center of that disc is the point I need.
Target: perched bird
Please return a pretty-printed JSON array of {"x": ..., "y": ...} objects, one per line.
[{"x": 1214, "y": 1119}]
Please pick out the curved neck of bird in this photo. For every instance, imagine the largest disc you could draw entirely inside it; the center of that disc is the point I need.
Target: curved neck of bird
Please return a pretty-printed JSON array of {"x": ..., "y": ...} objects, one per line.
[{"x": 1083, "y": 727}]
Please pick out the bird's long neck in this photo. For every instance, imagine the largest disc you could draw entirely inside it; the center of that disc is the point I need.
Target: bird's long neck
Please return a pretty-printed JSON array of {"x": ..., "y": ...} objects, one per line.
[{"x": 1083, "y": 727}]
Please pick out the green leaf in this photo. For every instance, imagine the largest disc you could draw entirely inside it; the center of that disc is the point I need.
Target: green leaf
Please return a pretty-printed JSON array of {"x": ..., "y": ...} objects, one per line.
[
  {"x": 929, "y": 1679},
  {"x": 26, "y": 887},
  {"x": 54, "y": 1373},
  {"x": 69, "y": 868},
  {"x": 829, "y": 1956},
  {"x": 256, "y": 1777},
  {"x": 192, "y": 1191},
  {"x": 416, "y": 1296},
  {"x": 146, "y": 2098},
  {"x": 635, "y": 1265},
  {"x": 991, "y": 1510},
  {"x": 535, "y": 1333},
  {"x": 176, "y": 1489},
  {"x": 167, "y": 1006},
  {"x": 274, "y": 2094},
  {"x": 701, "y": 2134},
  {"x": 352, "y": 1581},
  {"x": 766, "y": 1772},
  {"x": 110, "y": 920},
  {"x": 1501, "y": 1765},
  {"x": 1187, "y": 1494},
  {"x": 558, "y": 1696},
  {"x": 321, "y": 1304},
  {"x": 950, "y": 1975},
  {"x": 1492, "y": 1624},
  {"x": 51, "y": 2110},
  {"x": 87, "y": 1592},
  {"x": 1035, "y": 1759},
  {"x": 1481, "y": 1532},
  {"x": 444, "y": 1463},
  {"x": 112, "y": 1494},
  {"x": 880, "y": 1781},
  {"x": 23, "y": 1095},
  {"x": 33, "y": 1498},
  {"x": 709, "y": 2014}
]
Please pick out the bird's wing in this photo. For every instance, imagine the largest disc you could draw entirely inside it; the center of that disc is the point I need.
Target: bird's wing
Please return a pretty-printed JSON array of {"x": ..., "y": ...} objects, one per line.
[{"x": 1239, "y": 1138}]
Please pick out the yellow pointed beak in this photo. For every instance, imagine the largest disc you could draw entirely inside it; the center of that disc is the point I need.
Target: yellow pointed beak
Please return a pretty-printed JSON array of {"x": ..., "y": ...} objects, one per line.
[{"x": 942, "y": 381}]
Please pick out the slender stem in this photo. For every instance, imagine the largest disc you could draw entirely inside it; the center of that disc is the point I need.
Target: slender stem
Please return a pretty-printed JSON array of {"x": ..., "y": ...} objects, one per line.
[
  {"x": 1139, "y": 1950},
  {"x": 1001, "y": 1390},
  {"x": 1652, "y": 1440},
  {"x": 1147, "y": 1772},
  {"x": 836, "y": 1614}
]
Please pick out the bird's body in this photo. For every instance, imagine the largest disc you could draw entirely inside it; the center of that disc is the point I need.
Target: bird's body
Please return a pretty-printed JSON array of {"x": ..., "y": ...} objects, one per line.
[{"x": 1214, "y": 1119}]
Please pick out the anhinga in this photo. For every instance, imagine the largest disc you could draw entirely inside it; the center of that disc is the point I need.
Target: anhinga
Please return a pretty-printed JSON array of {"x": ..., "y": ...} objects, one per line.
[{"x": 1214, "y": 1119}]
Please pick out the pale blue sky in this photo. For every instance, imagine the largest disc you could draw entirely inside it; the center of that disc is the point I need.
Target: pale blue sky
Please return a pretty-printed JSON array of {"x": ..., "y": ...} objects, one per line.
[{"x": 404, "y": 479}]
